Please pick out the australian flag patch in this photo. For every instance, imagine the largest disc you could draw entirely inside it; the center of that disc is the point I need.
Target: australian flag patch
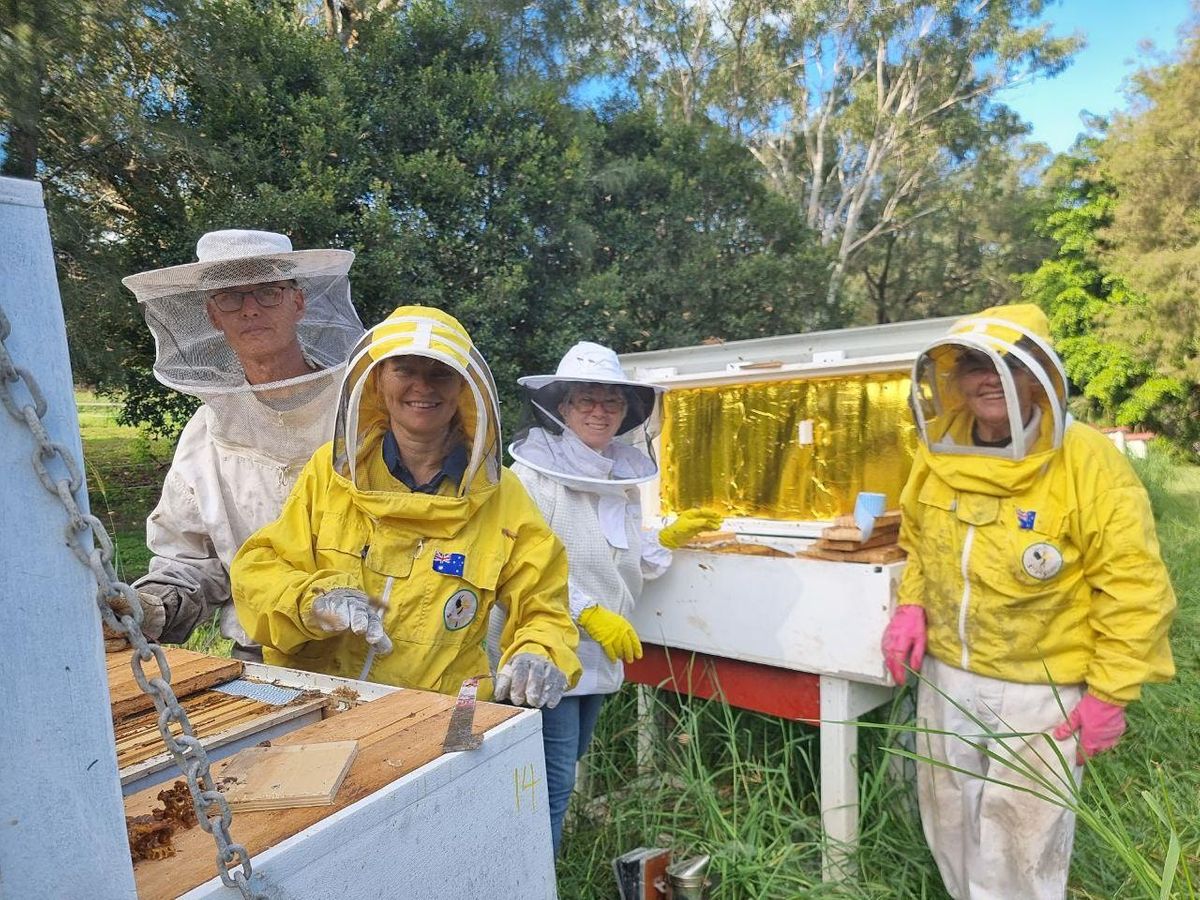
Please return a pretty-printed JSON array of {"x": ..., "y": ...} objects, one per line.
[
  {"x": 1025, "y": 519},
  {"x": 449, "y": 563}
]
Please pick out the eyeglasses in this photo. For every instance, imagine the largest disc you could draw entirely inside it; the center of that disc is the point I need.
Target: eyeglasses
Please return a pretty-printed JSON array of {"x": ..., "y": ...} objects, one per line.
[
  {"x": 265, "y": 295},
  {"x": 610, "y": 405}
]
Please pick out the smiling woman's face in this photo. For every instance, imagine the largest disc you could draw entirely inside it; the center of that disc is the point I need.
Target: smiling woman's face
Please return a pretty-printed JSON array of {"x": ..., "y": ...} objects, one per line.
[
  {"x": 984, "y": 392},
  {"x": 594, "y": 412},
  {"x": 421, "y": 396}
]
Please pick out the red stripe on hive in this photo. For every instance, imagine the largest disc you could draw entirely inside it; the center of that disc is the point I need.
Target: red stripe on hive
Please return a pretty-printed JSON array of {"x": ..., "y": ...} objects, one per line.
[{"x": 746, "y": 685}]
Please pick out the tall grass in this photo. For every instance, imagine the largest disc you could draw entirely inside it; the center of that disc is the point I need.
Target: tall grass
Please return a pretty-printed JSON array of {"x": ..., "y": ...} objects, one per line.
[
  {"x": 743, "y": 787},
  {"x": 1153, "y": 777}
]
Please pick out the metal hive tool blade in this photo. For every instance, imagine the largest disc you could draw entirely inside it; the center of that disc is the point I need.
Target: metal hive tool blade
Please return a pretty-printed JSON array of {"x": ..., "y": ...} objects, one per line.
[{"x": 459, "y": 736}]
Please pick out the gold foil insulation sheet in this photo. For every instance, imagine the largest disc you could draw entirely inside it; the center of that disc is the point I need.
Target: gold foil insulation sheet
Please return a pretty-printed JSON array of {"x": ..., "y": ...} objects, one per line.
[{"x": 737, "y": 447}]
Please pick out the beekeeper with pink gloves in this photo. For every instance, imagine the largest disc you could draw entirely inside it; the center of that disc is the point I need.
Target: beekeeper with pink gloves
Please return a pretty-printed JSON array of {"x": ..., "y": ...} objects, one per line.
[{"x": 1034, "y": 604}]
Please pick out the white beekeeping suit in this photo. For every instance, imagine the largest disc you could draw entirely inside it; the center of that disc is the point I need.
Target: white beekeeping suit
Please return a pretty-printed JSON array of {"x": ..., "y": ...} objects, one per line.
[{"x": 243, "y": 449}]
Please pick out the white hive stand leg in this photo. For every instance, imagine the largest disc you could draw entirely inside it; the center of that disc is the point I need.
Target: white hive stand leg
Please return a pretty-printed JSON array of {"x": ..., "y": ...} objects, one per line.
[
  {"x": 839, "y": 780},
  {"x": 649, "y": 729},
  {"x": 842, "y": 702}
]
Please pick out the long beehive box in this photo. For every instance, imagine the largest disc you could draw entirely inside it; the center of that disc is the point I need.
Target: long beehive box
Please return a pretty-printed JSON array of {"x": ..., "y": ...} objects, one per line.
[
  {"x": 821, "y": 615},
  {"x": 802, "y": 614},
  {"x": 400, "y": 814},
  {"x": 231, "y": 705}
]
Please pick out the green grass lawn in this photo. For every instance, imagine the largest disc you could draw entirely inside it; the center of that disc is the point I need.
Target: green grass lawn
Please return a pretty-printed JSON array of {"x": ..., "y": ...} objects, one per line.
[
  {"x": 742, "y": 786},
  {"x": 125, "y": 471}
]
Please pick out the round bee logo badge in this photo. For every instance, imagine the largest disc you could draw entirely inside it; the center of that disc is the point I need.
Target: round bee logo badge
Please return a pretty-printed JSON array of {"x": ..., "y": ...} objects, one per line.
[
  {"x": 460, "y": 609},
  {"x": 1042, "y": 561}
]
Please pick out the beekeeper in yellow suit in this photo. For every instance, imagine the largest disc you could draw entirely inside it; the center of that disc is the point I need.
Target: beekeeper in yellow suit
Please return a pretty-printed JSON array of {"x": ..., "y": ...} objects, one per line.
[
  {"x": 1034, "y": 583},
  {"x": 403, "y": 532}
]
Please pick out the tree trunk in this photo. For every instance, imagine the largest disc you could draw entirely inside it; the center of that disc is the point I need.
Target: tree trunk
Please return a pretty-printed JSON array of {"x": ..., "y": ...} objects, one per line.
[{"x": 22, "y": 150}]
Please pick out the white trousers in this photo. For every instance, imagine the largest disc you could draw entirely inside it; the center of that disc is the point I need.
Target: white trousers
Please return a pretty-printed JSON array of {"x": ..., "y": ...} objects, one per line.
[{"x": 992, "y": 841}]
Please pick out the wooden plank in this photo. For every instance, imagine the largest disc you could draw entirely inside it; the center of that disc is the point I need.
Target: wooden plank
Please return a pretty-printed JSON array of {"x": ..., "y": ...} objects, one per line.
[
  {"x": 190, "y": 672},
  {"x": 888, "y": 536},
  {"x": 886, "y": 554},
  {"x": 151, "y": 755},
  {"x": 284, "y": 777},
  {"x": 842, "y": 533},
  {"x": 889, "y": 518},
  {"x": 747, "y": 549},
  {"x": 210, "y": 712},
  {"x": 203, "y": 708},
  {"x": 705, "y": 538},
  {"x": 397, "y": 734}
]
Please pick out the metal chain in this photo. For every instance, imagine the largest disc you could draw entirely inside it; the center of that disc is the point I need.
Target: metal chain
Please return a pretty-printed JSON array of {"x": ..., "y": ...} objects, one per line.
[{"x": 121, "y": 612}]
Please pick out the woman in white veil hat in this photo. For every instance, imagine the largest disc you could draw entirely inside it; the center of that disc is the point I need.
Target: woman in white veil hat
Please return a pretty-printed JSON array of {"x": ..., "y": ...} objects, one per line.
[{"x": 585, "y": 451}]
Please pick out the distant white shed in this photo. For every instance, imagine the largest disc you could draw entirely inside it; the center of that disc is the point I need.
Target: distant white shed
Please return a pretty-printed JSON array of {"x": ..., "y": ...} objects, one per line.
[{"x": 1132, "y": 443}]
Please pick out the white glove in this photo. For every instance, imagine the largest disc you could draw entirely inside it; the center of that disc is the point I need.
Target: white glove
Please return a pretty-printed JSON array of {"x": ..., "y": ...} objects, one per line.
[
  {"x": 347, "y": 609},
  {"x": 529, "y": 679}
]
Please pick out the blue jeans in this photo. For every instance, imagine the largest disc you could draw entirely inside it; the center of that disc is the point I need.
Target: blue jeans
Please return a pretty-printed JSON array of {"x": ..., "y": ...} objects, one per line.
[{"x": 566, "y": 732}]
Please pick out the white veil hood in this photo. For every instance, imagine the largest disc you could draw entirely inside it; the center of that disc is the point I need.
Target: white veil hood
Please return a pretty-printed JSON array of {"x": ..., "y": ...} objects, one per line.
[{"x": 193, "y": 357}]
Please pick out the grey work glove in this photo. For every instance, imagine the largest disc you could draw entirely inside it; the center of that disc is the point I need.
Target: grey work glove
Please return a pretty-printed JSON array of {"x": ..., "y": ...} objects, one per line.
[
  {"x": 529, "y": 679},
  {"x": 154, "y": 619},
  {"x": 347, "y": 609}
]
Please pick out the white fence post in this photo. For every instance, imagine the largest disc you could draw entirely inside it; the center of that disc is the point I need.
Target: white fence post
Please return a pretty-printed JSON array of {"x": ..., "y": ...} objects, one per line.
[{"x": 62, "y": 827}]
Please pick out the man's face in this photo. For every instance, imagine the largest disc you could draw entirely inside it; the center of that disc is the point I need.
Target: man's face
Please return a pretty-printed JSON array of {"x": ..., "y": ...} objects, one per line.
[
  {"x": 257, "y": 331},
  {"x": 421, "y": 395}
]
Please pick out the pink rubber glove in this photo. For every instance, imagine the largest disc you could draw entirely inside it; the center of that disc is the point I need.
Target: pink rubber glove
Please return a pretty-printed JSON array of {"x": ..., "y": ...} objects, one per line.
[
  {"x": 904, "y": 641},
  {"x": 1100, "y": 726}
]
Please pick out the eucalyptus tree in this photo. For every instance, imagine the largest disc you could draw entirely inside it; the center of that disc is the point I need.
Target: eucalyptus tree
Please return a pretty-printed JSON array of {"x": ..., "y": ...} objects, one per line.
[
  {"x": 850, "y": 106},
  {"x": 977, "y": 233}
]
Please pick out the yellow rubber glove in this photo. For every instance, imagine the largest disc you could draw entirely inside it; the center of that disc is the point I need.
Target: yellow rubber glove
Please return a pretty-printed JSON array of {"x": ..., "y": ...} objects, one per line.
[
  {"x": 612, "y": 632},
  {"x": 687, "y": 525}
]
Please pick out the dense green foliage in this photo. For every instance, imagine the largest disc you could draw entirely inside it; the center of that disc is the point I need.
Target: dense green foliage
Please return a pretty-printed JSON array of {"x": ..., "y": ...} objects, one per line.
[
  {"x": 456, "y": 182},
  {"x": 757, "y": 168},
  {"x": 1122, "y": 287},
  {"x": 1076, "y": 290}
]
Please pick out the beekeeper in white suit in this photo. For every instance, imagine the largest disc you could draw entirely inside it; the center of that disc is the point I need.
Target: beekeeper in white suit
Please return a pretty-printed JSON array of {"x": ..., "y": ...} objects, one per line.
[
  {"x": 259, "y": 332},
  {"x": 586, "y": 447}
]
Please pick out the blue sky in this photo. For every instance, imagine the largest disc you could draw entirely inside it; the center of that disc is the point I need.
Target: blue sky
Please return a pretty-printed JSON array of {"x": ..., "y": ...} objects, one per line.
[{"x": 1113, "y": 29}]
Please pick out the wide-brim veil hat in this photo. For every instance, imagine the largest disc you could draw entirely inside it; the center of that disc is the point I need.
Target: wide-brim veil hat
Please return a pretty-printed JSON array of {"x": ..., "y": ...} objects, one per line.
[
  {"x": 590, "y": 363},
  {"x": 236, "y": 256},
  {"x": 193, "y": 356}
]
